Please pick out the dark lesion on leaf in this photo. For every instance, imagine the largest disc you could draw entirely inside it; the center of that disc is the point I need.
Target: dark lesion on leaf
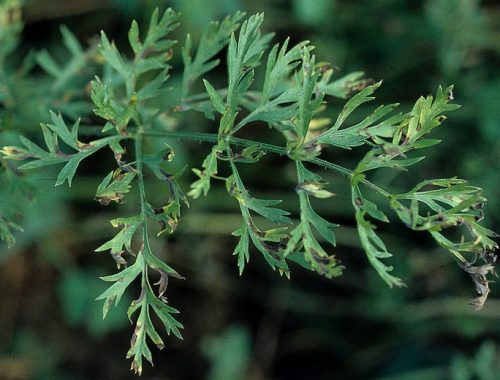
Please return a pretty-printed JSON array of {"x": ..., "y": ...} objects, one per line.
[
  {"x": 163, "y": 282},
  {"x": 479, "y": 275},
  {"x": 115, "y": 195},
  {"x": 123, "y": 165},
  {"x": 274, "y": 248},
  {"x": 119, "y": 259},
  {"x": 324, "y": 264},
  {"x": 141, "y": 297},
  {"x": 353, "y": 88}
]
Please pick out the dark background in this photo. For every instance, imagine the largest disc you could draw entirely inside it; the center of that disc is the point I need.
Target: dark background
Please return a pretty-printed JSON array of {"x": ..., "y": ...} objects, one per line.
[{"x": 262, "y": 326}]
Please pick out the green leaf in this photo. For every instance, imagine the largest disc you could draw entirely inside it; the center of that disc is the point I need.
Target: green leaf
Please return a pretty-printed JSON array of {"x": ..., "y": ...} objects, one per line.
[
  {"x": 123, "y": 239},
  {"x": 356, "y": 135},
  {"x": 144, "y": 327},
  {"x": 159, "y": 265},
  {"x": 138, "y": 347},
  {"x": 59, "y": 127},
  {"x": 50, "y": 139},
  {"x": 103, "y": 98},
  {"x": 242, "y": 248},
  {"x": 71, "y": 42},
  {"x": 343, "y": 87},
  {"x": 269, "y": 243},
  {"x": 273, "y": 111},
  {"x": 114, "y": 186},
  {"x": 361, "y": 97},
  {"x": 373, "y": 246},
  {"x": 280, "y": 63},
  {"x": 216, "y": 99},
  {"x": 377, "y": 158},
  {"x": 46, "y": 161},
  {"x": 375, "y": 250},
  {"x": 55, "y": 156},
  {"x": 168, "y": 216},
  {"x": 115, "y": 60},
  {"x": 344, "y": 138},
  {"x": 272, "y": 252},
  {"x": 164, "y": 312},
  {"x": 214, "y": 38},
  {"x": 153, "y": 88},
  {"x": 152, "y": 53},
  {"x": 33, "y": 148},
  {"x": 47, "y": 63},
  {"x": 227, "y": 121},
  {"x": 68, "y": 171},
  {"x": 133, "y": 37},
  {"x": 154, "y": 161},
  {"x": 159, "y": 29},
  {"x": 243, "y": 55},
  {"x": 378, "y": 114},
  {"x": 261, "y": 206},
  {"x": 426, "y": 114},
  {"x": 449, "y": 203},
  {"x": 308, "y": 104},
  {"x": 302, "y": 237},
  {"x": 385, "y": 129},
  {"x": 372, "y": 210},
  {"x": 367, "y": 206},
  {"x": 65, "y": 73},
  {"x": 202, "y": 185},
  {"x": 425, "y": 143},
  {"x": 121, "y": 281},
  {"x": 483, "y": 235},
  {"x": 250, "y": 154}
]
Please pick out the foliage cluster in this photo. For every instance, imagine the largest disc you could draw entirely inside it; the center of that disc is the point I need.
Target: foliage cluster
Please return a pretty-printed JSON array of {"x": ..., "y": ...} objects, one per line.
[{"x": 129, "y": 96}]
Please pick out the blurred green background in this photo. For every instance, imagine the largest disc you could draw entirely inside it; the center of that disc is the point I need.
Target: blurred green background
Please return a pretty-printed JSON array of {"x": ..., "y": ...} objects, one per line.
[{"x": 258, "y": 326}]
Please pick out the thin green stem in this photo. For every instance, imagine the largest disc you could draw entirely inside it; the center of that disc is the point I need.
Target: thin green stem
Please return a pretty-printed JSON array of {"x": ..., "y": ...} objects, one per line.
[
  {"x": 142, "y": 195},
  {"x": 239, "y": 184},
  {"x": 139, "y": 168},
  {"x": 213, "y": 138}
]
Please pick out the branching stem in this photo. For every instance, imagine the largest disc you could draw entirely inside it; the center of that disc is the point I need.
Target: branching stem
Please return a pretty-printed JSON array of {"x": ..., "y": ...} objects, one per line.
[{"x": 213, "y": 138}]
